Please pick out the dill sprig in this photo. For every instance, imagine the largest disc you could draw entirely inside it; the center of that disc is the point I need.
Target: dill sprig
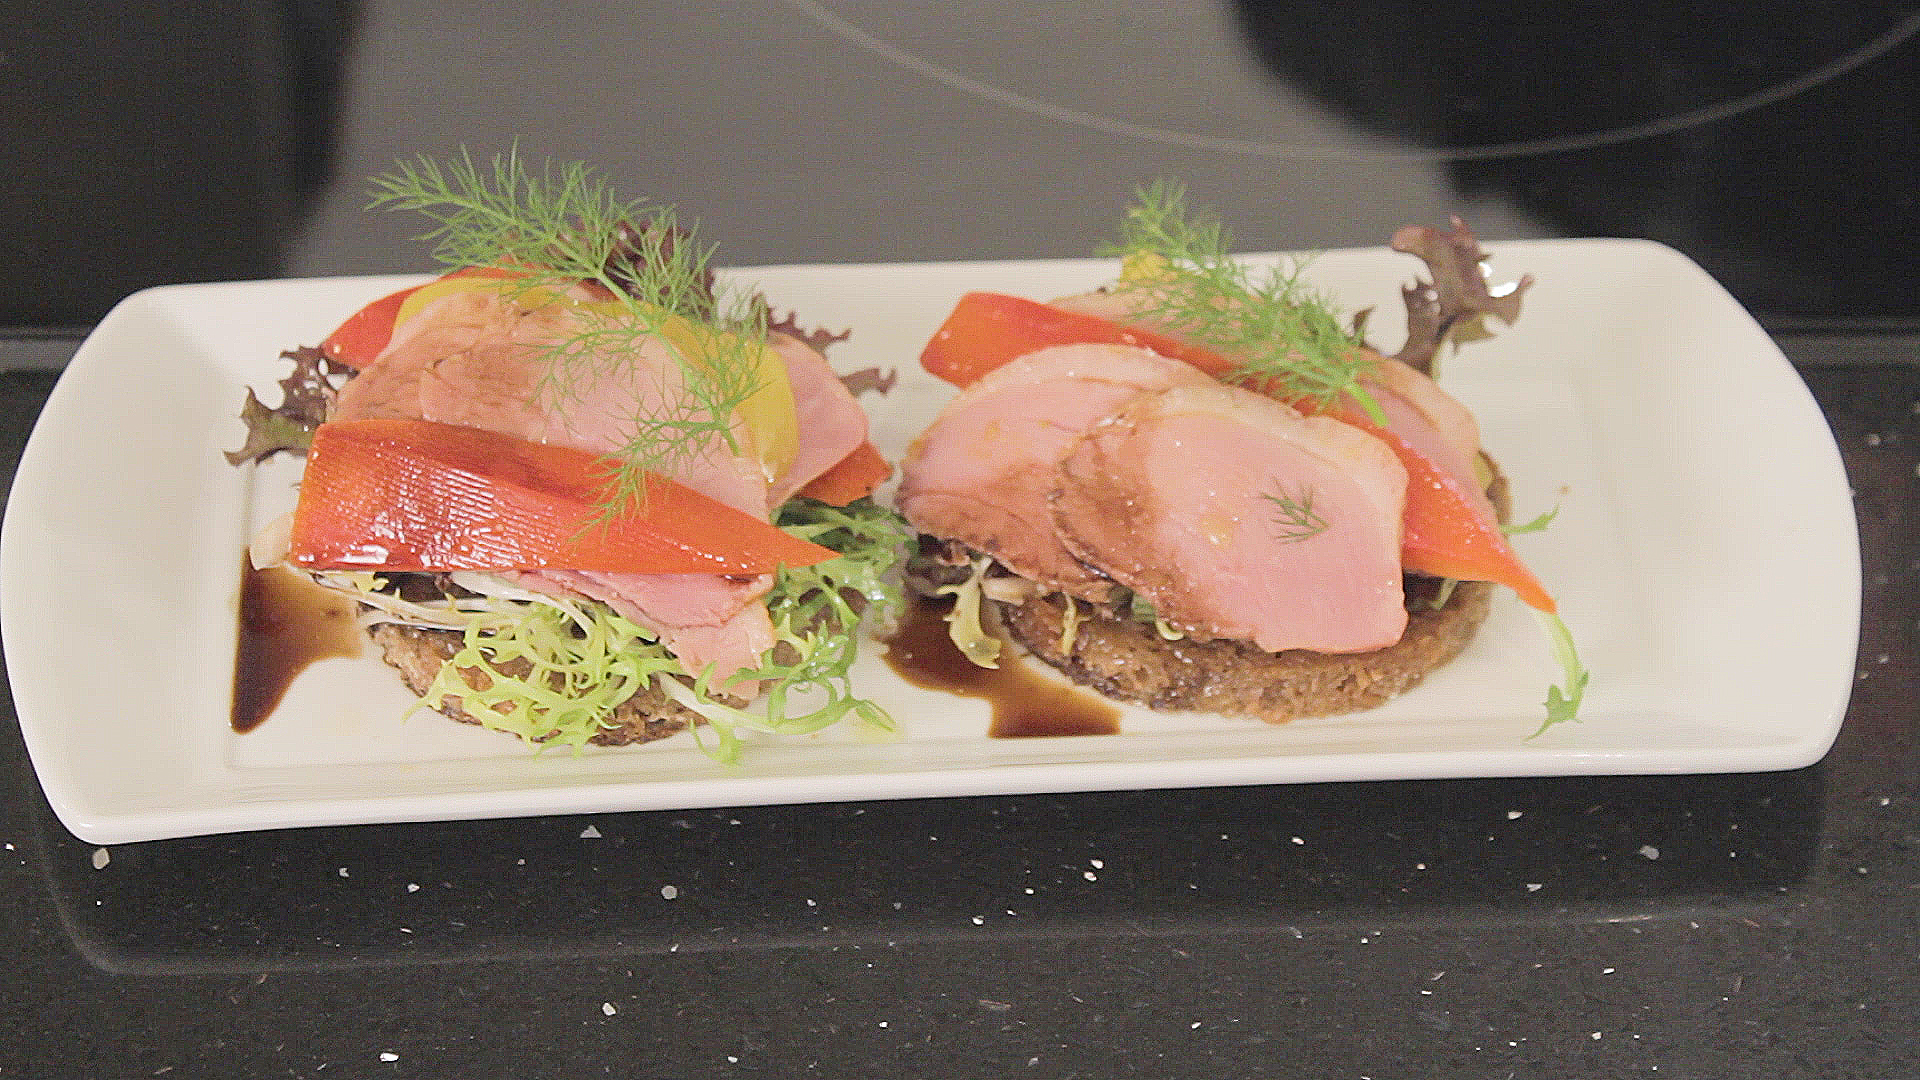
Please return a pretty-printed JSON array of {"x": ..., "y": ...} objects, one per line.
[
  {"x": 560, "y": 225},
  {"x": 1296, "y": 517},
  {"x": 1285, "y": 336}
]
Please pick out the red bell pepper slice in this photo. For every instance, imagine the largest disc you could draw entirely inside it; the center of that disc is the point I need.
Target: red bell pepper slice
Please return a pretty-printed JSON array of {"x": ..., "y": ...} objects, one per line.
[
  {"x": 366, "y": 332},
  {"x": 987, "y": 330},
  {"x": 1443, "y": 532},
  {"x": 851, "y": 477},
  {"x": 419, "y": 495}
]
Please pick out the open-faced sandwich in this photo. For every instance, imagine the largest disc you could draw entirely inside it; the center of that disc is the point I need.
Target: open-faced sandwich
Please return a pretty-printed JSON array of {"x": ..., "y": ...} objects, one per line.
[
  {"x": 1199, "y": 488},
  {"x": 579, "y": 492}
]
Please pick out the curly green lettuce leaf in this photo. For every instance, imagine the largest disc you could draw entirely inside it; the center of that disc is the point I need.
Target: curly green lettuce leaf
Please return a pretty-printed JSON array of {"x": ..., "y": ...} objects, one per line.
[
  {"x": 1538, "y": 524},
  {"x": 554, "y": 676},
  {"x": 1563, "y": 702},
  {"x": 964, "y": 627},
  {"x": 817, "y": 612},
  {"x": 553, "y": 671}
]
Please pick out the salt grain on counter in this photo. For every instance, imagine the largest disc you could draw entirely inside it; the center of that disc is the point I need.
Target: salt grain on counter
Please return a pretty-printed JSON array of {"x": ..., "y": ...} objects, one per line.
[
  {"x": 1648, "y": 851},
  {"x": 388, "y": 1055},
  {"x": 101, "y": 857},
  {"x": 589, "y": 833},
  {"x": 1513, "y": 815},
  {"x": 1090, "y": 875},
  {"x": 1534, "y": 886},
  {"x": 1097, "y": 864},
  {"x": 607, "y": 1008},
  {"x": 668, "y": 892}
]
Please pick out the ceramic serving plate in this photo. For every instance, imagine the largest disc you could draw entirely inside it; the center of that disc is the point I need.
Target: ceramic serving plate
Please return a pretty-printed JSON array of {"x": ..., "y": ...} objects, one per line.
[{"x": 1704, "y": 555}]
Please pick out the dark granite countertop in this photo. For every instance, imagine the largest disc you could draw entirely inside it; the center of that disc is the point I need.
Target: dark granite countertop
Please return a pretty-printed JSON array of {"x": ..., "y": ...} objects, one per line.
[{"x": 1757, "y": 925}]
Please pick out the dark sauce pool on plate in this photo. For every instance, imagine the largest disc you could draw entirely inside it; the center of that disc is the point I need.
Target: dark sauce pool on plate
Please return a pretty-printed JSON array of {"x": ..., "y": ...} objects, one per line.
[
  {"x": 287, "y": 623},
  {"x": 1025, "y": 702}
]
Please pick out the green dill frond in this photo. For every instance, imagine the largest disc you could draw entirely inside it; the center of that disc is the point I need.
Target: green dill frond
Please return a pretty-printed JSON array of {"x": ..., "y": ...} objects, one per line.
[
  {"x": 561, "y": 225},
  {"x": 1283, "y": 333},
  {"x": 1296, "y": 517}
]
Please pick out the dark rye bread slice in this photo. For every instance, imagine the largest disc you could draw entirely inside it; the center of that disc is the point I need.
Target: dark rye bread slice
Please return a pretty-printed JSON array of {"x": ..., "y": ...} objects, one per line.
[
  {"x": 419, "y": 653},
  {"x": 1128, "y": 660}
]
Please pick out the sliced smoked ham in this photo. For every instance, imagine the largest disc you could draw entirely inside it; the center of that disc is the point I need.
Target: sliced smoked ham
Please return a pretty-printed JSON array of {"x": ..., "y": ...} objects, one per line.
[
  {"x": 1431, "y": 420},
  {"x": 475, "y": 358},
  {"x": 833, "y": 423},
  {"x": 1237, "y": 517},
  {"x": 983, "y": 472},
  {"x": 1433, "y": 423}
]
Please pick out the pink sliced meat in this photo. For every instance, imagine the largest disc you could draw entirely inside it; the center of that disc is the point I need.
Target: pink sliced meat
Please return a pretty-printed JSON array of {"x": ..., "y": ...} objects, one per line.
[
  {"x": 983, "y": 472},
  {"x": 1417, "y": 409},
  {"x": 389, "y": 387},
  {"x": 476, "y": 359},
  {"x": 1237, "y": 517},
  {"x": 832, "y": 423},
  {"x": 1430, "y": 420}
]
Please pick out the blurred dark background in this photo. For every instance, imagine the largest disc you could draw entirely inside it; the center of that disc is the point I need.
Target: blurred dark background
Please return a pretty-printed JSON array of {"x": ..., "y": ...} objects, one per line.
[{"x": 1775, "y": 144}]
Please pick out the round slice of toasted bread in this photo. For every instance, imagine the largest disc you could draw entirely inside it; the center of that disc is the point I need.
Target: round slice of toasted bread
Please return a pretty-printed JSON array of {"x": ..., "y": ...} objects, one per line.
[
  {"x": 419, "y": 653},
  {"x": 1128, "y": 659}
]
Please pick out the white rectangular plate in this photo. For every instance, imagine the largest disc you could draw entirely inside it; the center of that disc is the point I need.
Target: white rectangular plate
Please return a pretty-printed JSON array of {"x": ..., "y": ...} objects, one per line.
[{"x": 1705, "y": 556}]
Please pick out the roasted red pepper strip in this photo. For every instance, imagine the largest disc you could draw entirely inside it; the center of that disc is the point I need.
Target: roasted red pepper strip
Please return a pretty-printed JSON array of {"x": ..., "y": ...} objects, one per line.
[
  {"x": 366, "y": 332},
  {"x": 851, "y": 477},
  {"x": 418, "y": 495},
  {"x": 1443, "y": 533},
  {"x": 987, "y": 330}
]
